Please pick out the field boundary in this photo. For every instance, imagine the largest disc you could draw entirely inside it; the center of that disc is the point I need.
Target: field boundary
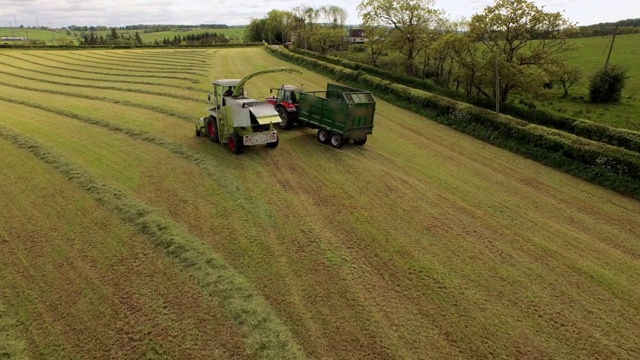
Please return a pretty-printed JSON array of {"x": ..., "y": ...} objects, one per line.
[
  {"x": 266, "y": 335},
  {"x": 620, "y": 137},
  {"x": 613, "y": 167}
]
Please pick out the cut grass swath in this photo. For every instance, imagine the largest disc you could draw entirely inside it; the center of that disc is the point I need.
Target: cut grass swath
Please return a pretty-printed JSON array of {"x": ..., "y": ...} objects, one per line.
[
  {"x": 265, "y": 335},
  {"x": 140, "y": 91},
  {"x": 164, "y": 67},
  {"x": 119, "y": 69},
  {"x": 112, "y": 58},
  {"x": 93, "y": 79},
  {"x": 157, "y": 109},
  {"x": 101, "y": 73}
]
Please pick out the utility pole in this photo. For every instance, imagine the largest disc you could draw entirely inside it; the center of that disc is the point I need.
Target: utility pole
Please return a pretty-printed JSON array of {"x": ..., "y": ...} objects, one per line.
[
  {"x": 615, "y": 31},
  {"x": 497, "y": 85},
  {"x": 11, "y": 27}
]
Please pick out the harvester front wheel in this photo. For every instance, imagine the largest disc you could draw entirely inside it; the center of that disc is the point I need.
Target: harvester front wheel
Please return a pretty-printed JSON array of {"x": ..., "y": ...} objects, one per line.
[
  {"x": 337, "y": 140},
  {"x": 323, "y": 136},
  {"x": 287, "y": 122},
  {"x": 212, "y": 129},
  {"x": 235, "y": 144}
]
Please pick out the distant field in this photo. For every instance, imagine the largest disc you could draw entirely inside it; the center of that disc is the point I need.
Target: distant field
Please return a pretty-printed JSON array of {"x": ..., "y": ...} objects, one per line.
[
  {"x": 49, "y": 37},
  {"x": 591, "y": 58},
  {"x": 123, "y": 235},
  {"x": 236, "y": 35}
]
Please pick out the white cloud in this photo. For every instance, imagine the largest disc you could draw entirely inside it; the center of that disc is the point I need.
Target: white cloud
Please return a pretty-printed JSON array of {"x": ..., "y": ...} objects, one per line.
[{"x": 232, "y": 12}]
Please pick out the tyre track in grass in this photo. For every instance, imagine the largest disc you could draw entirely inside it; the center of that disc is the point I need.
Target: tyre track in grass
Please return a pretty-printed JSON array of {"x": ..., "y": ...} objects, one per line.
[
  {"x": 119, "y": 69},
  {"x": 265, "y": 334},
  {"x": 191, "y": 88},
  {"x": 137, "y": 90},
  {"x": 153, "y": 108},
  {"x": 12, "y": 347},
  {"x": 116, "y": 73}
]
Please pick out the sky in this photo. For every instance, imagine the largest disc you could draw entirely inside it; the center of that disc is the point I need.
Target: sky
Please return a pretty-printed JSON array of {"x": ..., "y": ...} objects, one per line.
[{"x": 62, "y": 13}]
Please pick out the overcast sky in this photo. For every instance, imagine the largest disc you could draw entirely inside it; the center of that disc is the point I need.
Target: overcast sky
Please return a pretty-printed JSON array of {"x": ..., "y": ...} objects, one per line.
[{"x": 60, "y": 13}]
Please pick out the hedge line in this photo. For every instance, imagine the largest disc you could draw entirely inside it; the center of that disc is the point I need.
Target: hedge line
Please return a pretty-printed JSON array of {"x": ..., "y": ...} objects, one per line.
[
  {"x": 603, "y": 164},
  {"x": 627, "y": 139}
]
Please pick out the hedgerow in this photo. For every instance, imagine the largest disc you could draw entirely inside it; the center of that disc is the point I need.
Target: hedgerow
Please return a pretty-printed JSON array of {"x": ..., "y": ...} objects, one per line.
[{"x": 603, "y": 164}]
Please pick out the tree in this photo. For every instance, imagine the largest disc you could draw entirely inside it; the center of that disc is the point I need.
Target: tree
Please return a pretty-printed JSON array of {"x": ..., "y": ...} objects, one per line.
[
  {"x": 410, "y": 19},
  {"x": 606, "y": 85},
  {"x": 333, "y": 15},
  {"x": 326, "y": 38},
  {"x": 377, "y": 36},
  {"x": 114, "y": 34},
  {"x": 303, "y": 23},
  {"x": 567, "y": 75},
  {"x": 138, "y": 39},
  {"x": 524, "y": 39}
]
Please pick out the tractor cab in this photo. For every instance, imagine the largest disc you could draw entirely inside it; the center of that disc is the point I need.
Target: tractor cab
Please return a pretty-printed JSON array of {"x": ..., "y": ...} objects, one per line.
[{"x": 286, "y": 104}]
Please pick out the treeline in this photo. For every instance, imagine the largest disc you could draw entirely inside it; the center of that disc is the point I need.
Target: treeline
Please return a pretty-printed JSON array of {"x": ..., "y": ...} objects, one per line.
[
  {"x": 149, "y": 28},
  {"x": 205, "y": 38},
  {"x": 113, "y": 38},
  {"x": 628, "y": 26}
]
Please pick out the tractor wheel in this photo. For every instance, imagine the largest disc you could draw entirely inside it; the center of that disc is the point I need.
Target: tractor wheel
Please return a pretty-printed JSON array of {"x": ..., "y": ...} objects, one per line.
[
  {"x": 235, "y": 144},
  {"x": 274, "y": 144},
  {"x": 323, "y": 136},
  {"x": 287, "y": 121},
  {"x": 360, "y": 142},
  {"x": 212, "y": 129},
  {"x": 336, "y": 140}
]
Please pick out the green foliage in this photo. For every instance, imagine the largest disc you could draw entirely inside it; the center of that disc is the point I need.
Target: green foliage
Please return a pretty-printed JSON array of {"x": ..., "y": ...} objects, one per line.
[
  {"x": 510, "y": 31},
  {"x": 607, "y": 165},
  {"x": 412, "y": 20},
  {"x": 606, "y": 85}
]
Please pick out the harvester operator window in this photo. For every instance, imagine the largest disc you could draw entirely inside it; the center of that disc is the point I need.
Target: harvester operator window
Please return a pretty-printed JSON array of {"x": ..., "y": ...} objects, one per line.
[{"x": 228, "y": 92}]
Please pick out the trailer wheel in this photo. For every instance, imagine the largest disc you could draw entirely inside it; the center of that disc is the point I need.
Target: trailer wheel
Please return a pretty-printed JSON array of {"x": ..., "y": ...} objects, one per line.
[
  {"x": 274, "y": 144},
  {"x": 323, "y": 136},
  {"x": 287, "y": 122},
  {"x": 212, "y": 129},
  {"x": 360, "y": 142},
  {"x": 235, "y": 144},
  {"x": 337, "y": 140}
]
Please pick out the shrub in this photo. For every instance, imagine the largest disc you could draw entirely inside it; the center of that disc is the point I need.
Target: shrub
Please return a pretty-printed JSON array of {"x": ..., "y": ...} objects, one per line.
[{"x": 606, "y": 85}]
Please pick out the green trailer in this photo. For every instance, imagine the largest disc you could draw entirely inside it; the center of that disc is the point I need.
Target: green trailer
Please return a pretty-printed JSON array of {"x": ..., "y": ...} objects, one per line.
[{"x": 340, "y": 113}]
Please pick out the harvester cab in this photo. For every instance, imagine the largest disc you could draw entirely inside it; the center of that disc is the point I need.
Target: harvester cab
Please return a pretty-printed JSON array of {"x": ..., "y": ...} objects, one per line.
[{"x": 236, "y": 119}]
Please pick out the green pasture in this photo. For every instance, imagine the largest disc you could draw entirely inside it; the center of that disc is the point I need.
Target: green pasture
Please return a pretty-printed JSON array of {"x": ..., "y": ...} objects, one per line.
[
  {"x": 592, "y": 57},
  {"x": 124, "y": 235}
]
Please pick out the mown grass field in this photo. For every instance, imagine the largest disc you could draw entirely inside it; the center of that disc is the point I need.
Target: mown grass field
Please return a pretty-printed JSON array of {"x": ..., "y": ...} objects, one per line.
[{"x": 124, "y": 235}]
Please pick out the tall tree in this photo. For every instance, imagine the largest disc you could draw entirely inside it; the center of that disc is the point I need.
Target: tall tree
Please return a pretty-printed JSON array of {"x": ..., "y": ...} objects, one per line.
[
  {"x": 524, "y": 38},
  {"x": 412, "y": 19}
]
